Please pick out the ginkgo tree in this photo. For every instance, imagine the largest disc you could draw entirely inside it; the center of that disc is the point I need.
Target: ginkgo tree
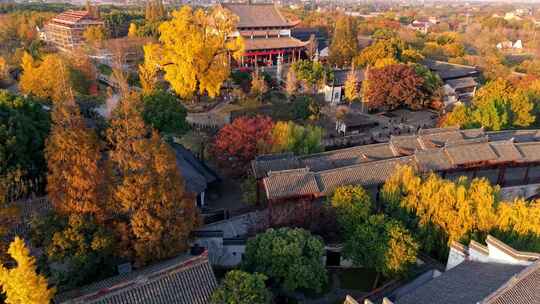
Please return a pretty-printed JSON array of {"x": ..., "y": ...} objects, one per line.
[
  {"x": 22, "y": 284},
  {"x": 195, "y": 50}
]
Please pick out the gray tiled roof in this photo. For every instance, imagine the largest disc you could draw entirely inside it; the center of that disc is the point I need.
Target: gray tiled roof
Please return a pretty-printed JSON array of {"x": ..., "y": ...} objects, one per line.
[
  {"x": 516, "y": 135},
  {"x": 290, "y": 183},
  {"x": 524, "y": 288},
  {"x": 448, "y": 70},
  {"x": 366, "y": 174},
  {"x": 196, "y": 175},
  {"x": 530, "y": 151},
  {"x": 406, "y": 144},
  {"x": 182, "y": 280},
  {"x": 274, "y": 162},
  {"x": 506, "y": 151},
  {"x": 467, "y": 283},
  {"x": 470, "y": 153},
  {"x": 430, "y": 150},
  {"x": 257, "y": 15},
  {"x": 433, "y": 160},
  {"x": 461, "y": 83}
]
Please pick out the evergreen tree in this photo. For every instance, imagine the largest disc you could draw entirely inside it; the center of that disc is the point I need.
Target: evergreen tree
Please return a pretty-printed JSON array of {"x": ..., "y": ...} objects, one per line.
[
  {"x": 73, "y": 153},
  {"x": 148, "y": 189}
]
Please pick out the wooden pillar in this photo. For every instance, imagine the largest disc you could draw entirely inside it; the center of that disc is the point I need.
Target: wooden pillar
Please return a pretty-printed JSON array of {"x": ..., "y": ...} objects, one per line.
[
  {"x": 500, "y": 179},
  {"x": 526, "y": 178}
]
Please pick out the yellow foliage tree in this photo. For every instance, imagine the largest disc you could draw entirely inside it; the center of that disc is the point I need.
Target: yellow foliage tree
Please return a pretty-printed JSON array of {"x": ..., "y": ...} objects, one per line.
[
  {"x": 258, "y": 85},
  {"x": 291, "y": 86},
  {"x": 381, "y": 63},
  {"x": 46, "y": 79},
  {"x": 444, "y": 211},
  {"x": 4, "y": 75},
  {"x": 351, "y": 86},
  {"x": 196, "y": 48},
  {"x": 22, "y": 284},
  {"x": 95, "y": 34},
  {"x": 148, "y": 189},
  {"x": 73, "y": 153},
  {"x": 132, "y": 31},
  {"x": 148, "y": 71}
]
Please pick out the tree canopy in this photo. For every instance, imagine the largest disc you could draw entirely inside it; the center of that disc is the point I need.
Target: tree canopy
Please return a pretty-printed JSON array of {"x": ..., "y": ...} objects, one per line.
[
  {"x": 440, "y": 211},
  {"x": 24, "y": 125},
  {"x": 74, "y": 149},
  {"x": 372, "y": 240},
  {"x": 498, "y": 105},
  {"x": 165, "y": 113},
  {"x": 194, "y": 50},
  {"x": 290, "y": 137},
  {"x": 22, "y": 284},
  {"x": 239, "y": 142},
  {"x": 344, "y": 45},
  {"x": 393, "y": 86},
  {"x": 290, "y": 257},
  {"x": 147, "y": 189},
  {"x": 240, "y": 287}
]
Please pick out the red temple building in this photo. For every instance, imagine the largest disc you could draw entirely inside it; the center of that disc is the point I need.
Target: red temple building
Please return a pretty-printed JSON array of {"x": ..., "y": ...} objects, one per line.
[{"x": 267, "y": 34}]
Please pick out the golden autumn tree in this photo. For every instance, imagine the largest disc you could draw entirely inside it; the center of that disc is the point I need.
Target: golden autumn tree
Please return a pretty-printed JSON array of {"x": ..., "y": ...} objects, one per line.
[
  {"x": 351, "y": 86},
  {"x": 148, "y": 189},
  {"x": 291, "y": 84},
  {"x": 258, "y": 85},
  {"x": 196, "y": 49},
  {"x": 132, "y": 31},
  {"x": 148, "y": 71},
  {"x": 73, "y": 153},
  {"x": 22, "y": 284},
  {"x": 441, "y": 211},
  {"x": 4, "y": 71},
  {"x": 44, "y": 79},
  {"x": 95, "y": 34}
]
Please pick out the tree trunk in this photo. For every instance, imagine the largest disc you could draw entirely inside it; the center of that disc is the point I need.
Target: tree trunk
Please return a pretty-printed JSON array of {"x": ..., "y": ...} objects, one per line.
[{"x": 376, "y": 280}]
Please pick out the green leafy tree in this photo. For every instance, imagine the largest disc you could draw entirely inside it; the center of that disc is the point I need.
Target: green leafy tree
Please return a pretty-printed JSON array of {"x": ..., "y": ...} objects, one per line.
[
  {"x": 292, "y": 258},
  {"x": 164, "y": 112},
  {"x": 24, "y": 126},
  {"x": 80, "y": 243},
  {"x": 383, "y": 244},
  {"x": 310, "y": 72},
  {"x": 496, "y": 106},
  {"x": 353, "y": 205},
  {"x": 240, "y": 287},
  {"x": 288, "y": 136},
  {"x": 249, "y": 190}
]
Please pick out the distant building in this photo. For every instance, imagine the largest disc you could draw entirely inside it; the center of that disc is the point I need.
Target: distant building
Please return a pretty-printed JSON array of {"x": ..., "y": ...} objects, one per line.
[
  {"x": 506, "y": 158},
  {"x": 65, "y": 31},
  {"x": 334, "y": 89},
  {"x": 505, "y": 45},
  {"x": 460, "y": 81},
  {"x": 184, "y": 279},
  {"x": 266, "y": 33},
  {"x": 421, "y": 26},
  {"x": 494, "y": 273}
]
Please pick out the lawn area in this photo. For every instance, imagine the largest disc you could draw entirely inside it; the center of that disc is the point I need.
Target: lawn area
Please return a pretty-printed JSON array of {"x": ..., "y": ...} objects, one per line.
[{"x": 360, "y": 279}]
